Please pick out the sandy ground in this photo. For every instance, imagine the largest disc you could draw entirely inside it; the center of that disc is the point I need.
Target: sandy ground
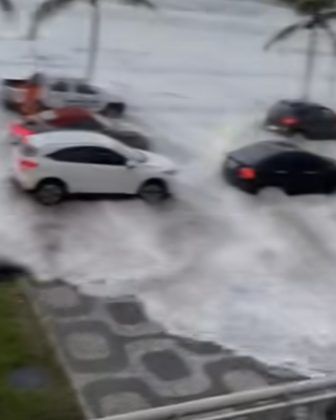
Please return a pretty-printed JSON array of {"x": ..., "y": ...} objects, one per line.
[{"x": 253, "y": 273}]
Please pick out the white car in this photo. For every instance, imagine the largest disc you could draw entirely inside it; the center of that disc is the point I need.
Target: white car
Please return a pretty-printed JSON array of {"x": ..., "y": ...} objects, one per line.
[
  {"x": 54, "y": 164},
  {"x": 62, "y": 92}
]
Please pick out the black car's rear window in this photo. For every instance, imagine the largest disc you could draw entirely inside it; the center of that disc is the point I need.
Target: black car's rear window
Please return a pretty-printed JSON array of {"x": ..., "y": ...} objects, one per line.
[
  {"x": 290, "y": 107},
  {"x": 281, "y": 108}
]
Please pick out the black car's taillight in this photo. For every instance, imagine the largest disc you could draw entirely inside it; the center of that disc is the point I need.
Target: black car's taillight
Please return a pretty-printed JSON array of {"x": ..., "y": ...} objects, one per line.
[
  {"x": 247, "y": 173},
  {"x": 289, "y": 121}
]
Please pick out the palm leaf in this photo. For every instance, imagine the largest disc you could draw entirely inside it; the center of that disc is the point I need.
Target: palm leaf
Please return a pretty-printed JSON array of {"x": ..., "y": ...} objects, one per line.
[
  {"x": 7, "y": 6},
  {"x": 287, "y": 32},
  {"x": 309, "y": 7},
  {"x": 46, "y": 10}
]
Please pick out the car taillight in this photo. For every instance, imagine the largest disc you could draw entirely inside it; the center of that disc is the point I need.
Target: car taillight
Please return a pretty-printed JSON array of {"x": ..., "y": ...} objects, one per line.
[
  {"x": 20, "y": 131},
  {"x": 247, "y": 173},
  {"x": 288, "y": 121},
  {"x": 25, "y": 164}
]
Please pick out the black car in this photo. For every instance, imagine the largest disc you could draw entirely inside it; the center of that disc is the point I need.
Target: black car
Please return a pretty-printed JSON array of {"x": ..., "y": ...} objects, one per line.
[
  {"x": 314, "y": 121},
  {"x": 280, "y": 164}
]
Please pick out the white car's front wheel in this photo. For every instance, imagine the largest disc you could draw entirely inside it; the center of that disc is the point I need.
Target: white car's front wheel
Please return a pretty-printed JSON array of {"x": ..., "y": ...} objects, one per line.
[
  {"x": 153, "y": 191},
  {"x": 50, "y": 192}
]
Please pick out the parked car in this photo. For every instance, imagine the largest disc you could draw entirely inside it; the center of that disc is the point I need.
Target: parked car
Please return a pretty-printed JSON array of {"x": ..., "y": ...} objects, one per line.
[
  {"x": 312, "y": 120},
  {"x": 58, "y": 92},
  {"x": 52, "y": 165},
  {"x": 77, "y": 119},
  {"x": 280, "y": 164}
]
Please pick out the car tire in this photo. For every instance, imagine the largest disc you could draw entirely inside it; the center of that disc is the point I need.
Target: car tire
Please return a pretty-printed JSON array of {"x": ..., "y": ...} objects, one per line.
[
  {"x": 50, "y": 192},
  {"x": 291, "y": 133},
  {"x": 154, "y": 191},
  {"x": 304, "y": 133},
  {"x": 290, "y": 191},
  {"x": 329, "y": 187},
  {"x": 254, "y": 190},
  {"x": 114, "y": 110}
]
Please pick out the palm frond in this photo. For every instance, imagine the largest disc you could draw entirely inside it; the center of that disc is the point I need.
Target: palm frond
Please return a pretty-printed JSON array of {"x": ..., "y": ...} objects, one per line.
[
  {"x": 309, "y": 7},
  {"x": 7, "y": 6},
  {"x": 141, "y": 3},
  {"x": 287, "y": 32},
  {"x": 46, "y": 10}
]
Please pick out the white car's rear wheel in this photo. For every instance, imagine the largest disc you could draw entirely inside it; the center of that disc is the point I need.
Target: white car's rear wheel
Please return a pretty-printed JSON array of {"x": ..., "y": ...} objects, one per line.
[
  {"x": 154, "y": 191},
  {"x": 50, "y": 192}
]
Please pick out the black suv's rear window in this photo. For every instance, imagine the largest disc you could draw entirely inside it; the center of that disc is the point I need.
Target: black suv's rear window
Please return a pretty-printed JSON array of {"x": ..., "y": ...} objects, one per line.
[{"x": 281, "y": 108}]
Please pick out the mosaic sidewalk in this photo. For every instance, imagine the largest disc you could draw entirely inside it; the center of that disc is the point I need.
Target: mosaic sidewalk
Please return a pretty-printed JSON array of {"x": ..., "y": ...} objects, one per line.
[{"x": 119, "y": 360}]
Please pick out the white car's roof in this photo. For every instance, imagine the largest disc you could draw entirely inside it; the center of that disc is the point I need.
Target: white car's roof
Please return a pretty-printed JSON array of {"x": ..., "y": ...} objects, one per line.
[
  {"x": 65, "y": 79},
  {"x": 65, "y": 138}
]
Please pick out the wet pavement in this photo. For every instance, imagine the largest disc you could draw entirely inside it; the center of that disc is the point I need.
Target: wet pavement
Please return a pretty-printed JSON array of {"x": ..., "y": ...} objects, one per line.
[{"x": 119, "y": 360}]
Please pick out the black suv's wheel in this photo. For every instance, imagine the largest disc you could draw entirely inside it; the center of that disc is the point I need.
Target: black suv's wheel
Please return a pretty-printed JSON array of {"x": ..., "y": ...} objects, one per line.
[
  {"x": 153, "y": 191},
  {"x": 50, "y": 192},
  {"x": 114, "y": 109}
]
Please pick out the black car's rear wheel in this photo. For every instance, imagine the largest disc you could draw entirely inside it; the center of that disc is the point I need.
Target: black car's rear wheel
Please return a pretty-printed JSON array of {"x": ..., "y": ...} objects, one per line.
[
  {"x": 289, "y": 190},
  {"x": 329, "y": 186}
]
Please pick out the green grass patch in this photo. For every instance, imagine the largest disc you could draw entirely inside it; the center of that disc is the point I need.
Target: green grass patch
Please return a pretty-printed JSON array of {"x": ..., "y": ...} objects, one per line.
[{"x": 23, "y": 343}]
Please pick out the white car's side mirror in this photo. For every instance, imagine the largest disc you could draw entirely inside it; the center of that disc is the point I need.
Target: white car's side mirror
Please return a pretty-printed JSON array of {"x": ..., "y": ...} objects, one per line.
[{"x": 130, "y": 164}]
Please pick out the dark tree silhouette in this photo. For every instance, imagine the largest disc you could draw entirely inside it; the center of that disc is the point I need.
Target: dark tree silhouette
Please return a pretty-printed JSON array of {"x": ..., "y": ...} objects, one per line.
[{"x": 316, "y": 16}]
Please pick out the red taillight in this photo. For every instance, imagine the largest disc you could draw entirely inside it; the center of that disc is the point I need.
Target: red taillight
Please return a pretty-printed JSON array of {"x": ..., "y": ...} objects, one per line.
[
  {"x": 20, "y": 131},
  {"x": 247, "y": 173},
  {"x": 27, "y": 164},
  {"x": 289, "y": 121}
]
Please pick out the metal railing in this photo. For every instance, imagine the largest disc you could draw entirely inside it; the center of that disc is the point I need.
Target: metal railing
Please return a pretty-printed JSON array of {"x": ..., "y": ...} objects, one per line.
[{"x": 306, "y": 400}]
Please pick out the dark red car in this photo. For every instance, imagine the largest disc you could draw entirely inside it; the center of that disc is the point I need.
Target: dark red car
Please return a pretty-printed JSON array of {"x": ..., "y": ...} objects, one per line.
[{"x": 76, "y": 119}]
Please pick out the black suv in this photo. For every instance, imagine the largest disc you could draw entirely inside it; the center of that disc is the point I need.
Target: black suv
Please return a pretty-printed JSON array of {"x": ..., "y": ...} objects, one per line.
[{"x": 314, "y": 121}]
